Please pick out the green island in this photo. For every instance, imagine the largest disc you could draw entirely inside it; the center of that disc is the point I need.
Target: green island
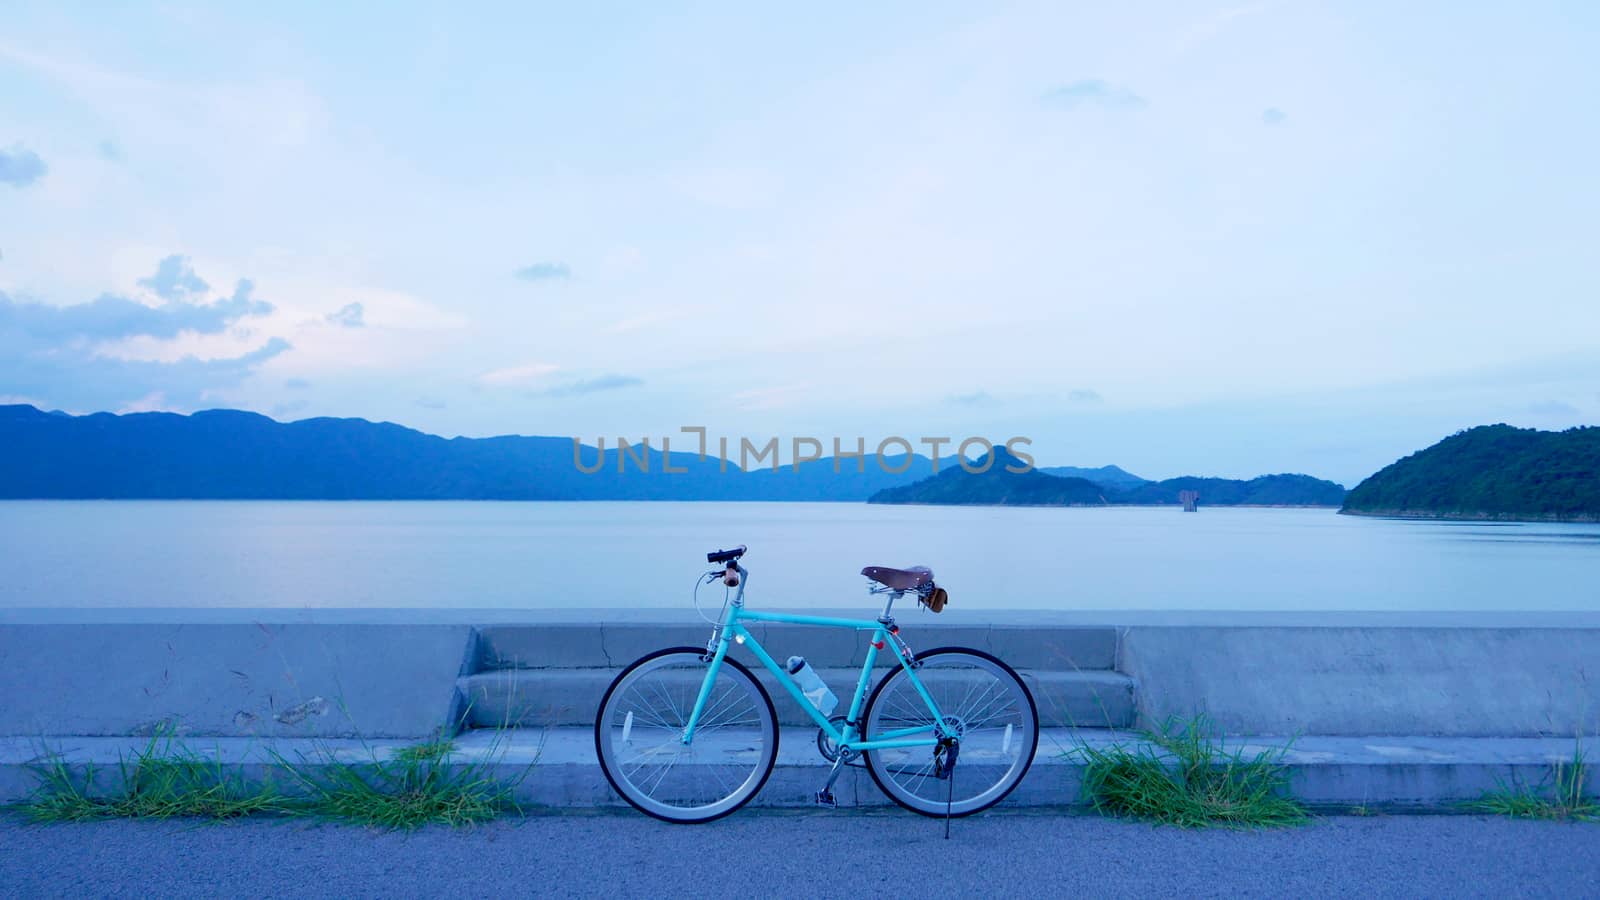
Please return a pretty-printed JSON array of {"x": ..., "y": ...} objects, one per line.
[
  {"x": 998, "y": 485},
  {"x": 1491, "y": 472}
]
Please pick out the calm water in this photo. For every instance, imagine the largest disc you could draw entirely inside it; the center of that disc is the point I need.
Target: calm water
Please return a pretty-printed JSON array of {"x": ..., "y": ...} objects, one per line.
[{"x": 536, "y": 555}]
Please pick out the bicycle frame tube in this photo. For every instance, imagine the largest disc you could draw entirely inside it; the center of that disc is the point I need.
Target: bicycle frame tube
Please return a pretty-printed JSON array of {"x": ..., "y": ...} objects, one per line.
[{"x": 732, "y": 629}]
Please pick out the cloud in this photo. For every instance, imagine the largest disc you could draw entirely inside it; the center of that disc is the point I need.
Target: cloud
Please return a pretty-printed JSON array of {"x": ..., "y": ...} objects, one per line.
[
  {"x": 297, "y": 384},
  {"x": 516, "y": 374},
  {"x": 77, "y": 379},
  {"x": 545, "y": 271},
  {"x": 1096, "y": 92},
  {"x": 59, "y": 353},
  {"x": 20, "y": 167},
  {"x": 112, "y": 318},
  {"x": 1273, "y": 116},
  {"x": 109, "y": 151},
  {"x": 591, "y": 386},
  {"x": 1083, "y": 395},
  {"x": 174, "y": 279},
  {"x": 349, "y": 316}
]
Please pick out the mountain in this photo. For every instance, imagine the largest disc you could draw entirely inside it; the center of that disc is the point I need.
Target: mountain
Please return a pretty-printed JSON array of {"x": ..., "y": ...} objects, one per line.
[
  {"x": 226, "y": 454},
  {"x": 1107, "y": 476},
  {"x": 1266, "y": 490},
  {"x": 229, "y": 454},
  {"x": 997, "y": 486},
  {"x": 1491, "y": 472}
]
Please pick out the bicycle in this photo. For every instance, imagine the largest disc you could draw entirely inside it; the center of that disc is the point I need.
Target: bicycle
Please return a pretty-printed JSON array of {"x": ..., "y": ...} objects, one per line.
[{"x": 688, "y": 734}]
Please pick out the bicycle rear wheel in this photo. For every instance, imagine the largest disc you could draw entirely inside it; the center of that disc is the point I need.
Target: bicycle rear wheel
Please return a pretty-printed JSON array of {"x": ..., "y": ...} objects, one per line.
[
  {"x": 990, "y": 710},
  {"x": 639, "y": 728}
]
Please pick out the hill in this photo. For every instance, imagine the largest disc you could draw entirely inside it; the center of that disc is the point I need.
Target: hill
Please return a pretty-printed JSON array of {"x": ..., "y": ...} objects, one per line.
[
  {"x": 229, "y": 454},
  {"x": 1266, "y": 490},
  {"x": 1491, "y": 472},
  {"x": 997, "y": 486},
  {"x": 1107, "y": 476}
]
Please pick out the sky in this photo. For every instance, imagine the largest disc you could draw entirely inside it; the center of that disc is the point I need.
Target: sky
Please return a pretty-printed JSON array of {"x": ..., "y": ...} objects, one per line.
[{"x": 1184, "y": 238}]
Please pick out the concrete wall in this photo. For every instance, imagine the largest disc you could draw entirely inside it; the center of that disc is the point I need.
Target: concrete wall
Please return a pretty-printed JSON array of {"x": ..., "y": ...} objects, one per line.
[
  {"x": 1370, "y": 680},
  {"x": 399, "y": 679},
  {"x": 615, "y": 644},
  {"x": 278, "y": 680}
]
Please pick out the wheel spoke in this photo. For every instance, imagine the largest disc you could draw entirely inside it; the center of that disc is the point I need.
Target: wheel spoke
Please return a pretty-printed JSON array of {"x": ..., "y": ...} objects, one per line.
[
  {"x": 976, "y": 695},
  {"x": 732, "y": 751}
]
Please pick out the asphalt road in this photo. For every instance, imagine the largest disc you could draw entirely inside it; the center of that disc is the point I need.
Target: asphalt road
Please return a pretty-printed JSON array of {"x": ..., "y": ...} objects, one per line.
[{"x": 835, "y": 854}]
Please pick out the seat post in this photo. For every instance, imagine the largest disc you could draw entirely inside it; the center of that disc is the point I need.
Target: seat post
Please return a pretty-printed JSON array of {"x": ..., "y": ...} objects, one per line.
[{"x": 887, "y": 605}]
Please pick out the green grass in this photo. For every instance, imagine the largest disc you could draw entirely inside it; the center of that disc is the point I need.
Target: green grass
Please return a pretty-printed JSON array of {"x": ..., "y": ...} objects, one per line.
[
  {"x": 428, "y": 751},
  {"x": 161, "y": 780},
  {"x": 406, "y": 788},
  {"x": 1180, "y": 774},
  {"x": 1560, "y": 798},
  {"x": 413, "y": 786}
]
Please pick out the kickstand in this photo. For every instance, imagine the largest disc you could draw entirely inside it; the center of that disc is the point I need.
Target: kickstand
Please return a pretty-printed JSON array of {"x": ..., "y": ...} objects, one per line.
[
  {"x": 949, "y": 799},
  {"x": 950, "y": 785}
]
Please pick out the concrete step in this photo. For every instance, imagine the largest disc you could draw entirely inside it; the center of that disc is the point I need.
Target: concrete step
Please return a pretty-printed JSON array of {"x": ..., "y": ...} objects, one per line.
[
  {"x": 536, "y": 698},
  {"x": 556, "y": 768},
  {"x": 588, "y": 645}
]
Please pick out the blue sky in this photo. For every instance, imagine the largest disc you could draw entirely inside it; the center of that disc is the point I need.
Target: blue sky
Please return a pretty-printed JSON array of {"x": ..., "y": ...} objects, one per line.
[{"x": 1221, "y": 239}]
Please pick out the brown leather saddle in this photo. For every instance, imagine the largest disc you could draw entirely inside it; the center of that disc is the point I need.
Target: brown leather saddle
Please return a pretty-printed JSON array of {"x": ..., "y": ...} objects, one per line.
[{"x": 916, "y": 578}]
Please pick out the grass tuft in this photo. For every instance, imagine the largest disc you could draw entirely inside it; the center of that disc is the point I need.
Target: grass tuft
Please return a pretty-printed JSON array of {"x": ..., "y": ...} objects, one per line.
[
  {"x": 1560, "y": 798},
  {"x": 433, "y": 751},
  {"x": 1181, "y": 775},
  {"x": 161, "y": 780},
  {"x": 406, "y": 788},
  {"x": 413, "y": 786}
]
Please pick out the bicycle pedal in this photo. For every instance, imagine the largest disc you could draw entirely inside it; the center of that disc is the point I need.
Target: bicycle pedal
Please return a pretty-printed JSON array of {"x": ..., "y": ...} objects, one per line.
[{"x": 826, "y": 798}]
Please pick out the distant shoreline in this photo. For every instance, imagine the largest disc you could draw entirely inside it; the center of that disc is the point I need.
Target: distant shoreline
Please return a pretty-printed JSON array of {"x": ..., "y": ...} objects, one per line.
[
  {"x": 1203, "y": 505},
  {"x": 1577, "y": 519}
]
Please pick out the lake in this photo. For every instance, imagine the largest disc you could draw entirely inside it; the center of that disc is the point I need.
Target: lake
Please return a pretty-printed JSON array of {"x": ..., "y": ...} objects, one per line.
[{"x": 132, "y": 554}]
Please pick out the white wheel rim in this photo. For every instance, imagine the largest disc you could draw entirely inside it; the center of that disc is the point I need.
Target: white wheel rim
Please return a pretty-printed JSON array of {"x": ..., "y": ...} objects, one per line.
[
  {"x": 732, "y": 749},
  {"x": 997, "y": 724}
]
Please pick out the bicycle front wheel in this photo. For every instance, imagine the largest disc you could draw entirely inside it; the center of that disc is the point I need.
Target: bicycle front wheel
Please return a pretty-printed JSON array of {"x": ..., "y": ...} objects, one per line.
[
  {"x": 983, "y": 702},
  {"x": 638, "y": 736}
]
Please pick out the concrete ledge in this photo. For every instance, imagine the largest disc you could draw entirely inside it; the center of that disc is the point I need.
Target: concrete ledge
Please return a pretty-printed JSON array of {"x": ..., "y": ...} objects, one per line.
[
  {"x": 1446, "y": 681},
  {"x": 1333, "y": 774},
  {"x": 280, "y": 680},
  {"x": 286, "y": 679},
  {"x": 615, "y": 644},
  {"x": 560, "y": 697}
]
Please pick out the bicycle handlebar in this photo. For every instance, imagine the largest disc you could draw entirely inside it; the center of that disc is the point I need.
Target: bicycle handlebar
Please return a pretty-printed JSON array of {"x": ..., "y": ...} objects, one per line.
[{"x": 725, "y": 556}]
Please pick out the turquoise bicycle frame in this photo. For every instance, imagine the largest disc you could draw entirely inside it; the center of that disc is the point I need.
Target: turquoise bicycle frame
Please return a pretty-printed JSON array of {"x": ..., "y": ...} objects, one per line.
[{"x": 848, "y": 738}]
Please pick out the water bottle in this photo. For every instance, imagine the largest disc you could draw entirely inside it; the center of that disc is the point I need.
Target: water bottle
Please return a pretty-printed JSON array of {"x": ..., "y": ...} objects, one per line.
[{"x": 812, "y": 685}]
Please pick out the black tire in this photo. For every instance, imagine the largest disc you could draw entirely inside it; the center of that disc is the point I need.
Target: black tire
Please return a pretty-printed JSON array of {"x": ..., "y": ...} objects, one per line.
[
  {"x": 770, "y": 729},
  {"x": 876, "y": 765}
]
